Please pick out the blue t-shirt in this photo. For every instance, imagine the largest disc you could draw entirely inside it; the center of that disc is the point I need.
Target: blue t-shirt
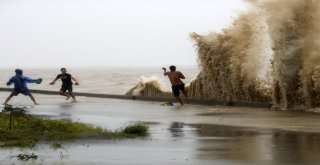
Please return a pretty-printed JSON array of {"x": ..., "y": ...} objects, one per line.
[{"x": 20, "y": 82}]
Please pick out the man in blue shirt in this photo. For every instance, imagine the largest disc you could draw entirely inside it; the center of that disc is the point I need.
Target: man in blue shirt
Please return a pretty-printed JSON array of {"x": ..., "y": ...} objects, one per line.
[{"x": 20, "y": 85}]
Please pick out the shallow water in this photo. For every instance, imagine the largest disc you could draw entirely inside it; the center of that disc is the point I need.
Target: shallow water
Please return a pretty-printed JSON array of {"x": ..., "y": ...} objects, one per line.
[{"x": 178, "y": 135}]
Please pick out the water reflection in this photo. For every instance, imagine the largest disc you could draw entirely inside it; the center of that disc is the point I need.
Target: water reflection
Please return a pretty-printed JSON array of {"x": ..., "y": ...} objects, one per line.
[
  {"x": 66, "y": 105},
  {"x": 176, "y": 129},
  {"x": 65, "y": 116},
  {"x": 251, "y": 146},
  {"x": 296, "y": 148}
]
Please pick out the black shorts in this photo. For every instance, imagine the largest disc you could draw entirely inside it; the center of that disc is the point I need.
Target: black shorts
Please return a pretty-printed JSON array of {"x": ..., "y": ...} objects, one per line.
[
  {"x": 65, "y": 88},
  {"x": 16, "y": 92},
  {"x": 176, "y": 89}
]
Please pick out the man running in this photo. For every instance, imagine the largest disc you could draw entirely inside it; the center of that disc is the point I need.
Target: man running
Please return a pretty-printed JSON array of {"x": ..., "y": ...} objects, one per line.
[
  {"x": 66, "y": 79},
  {"x": 20, "y": 86},
  {"x": 177, "y": 85}
]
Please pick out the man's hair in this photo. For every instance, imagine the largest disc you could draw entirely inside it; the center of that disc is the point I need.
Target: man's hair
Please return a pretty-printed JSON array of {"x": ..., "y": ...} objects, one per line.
[
  {"x": 172, "y": 68},
  {"x": 19, "y": 71},
  {"x": 62, "y": 69}
]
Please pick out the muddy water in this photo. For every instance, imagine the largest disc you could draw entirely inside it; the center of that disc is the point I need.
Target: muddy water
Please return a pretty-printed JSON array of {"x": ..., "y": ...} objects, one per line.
[{"x": 178, "y": 135}]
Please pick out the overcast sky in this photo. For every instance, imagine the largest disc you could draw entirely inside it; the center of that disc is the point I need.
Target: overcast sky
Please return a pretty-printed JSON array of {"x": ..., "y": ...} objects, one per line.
[{"x": 55, "y": 33}]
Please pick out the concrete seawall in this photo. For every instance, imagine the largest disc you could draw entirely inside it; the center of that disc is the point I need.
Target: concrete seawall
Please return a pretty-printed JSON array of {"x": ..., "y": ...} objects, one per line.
[{"x": 159, "y": 99}]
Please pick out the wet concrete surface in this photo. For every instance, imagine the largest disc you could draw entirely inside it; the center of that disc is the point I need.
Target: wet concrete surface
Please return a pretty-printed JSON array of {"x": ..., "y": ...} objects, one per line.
[{"x": 190, "y": 134}]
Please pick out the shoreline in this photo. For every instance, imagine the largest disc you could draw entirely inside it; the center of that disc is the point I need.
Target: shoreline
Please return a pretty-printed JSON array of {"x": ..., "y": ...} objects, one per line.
[
  {"x": 155, "y": 99},
  {"x": 114, "y": 113}
]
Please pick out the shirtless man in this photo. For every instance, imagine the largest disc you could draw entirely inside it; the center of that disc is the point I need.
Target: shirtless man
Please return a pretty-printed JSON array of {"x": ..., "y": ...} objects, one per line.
[
  {"x": 66, "y": 79},
  {"x": 177, "y": 85}
]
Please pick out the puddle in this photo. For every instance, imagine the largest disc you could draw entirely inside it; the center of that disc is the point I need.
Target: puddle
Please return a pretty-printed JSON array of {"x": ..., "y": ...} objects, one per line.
[{"x": 226, "y": 136}]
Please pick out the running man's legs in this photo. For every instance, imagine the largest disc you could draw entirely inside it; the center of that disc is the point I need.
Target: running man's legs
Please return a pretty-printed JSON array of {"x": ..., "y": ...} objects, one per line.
[
  {"x": 176, "y": 92},
  {"x": 63, "y": 90},
  {"x": 184, "y": 91},
  {"x": 13, "y": 93},
  {"x": 33, "y": 99},
  {"x": 70, "y": 93},
  {"x": 178, "y": 98},
  {"x": 8, "y": 99},
  {"x": 72, "y": 96},
  {"x": 62, "y": 93}
]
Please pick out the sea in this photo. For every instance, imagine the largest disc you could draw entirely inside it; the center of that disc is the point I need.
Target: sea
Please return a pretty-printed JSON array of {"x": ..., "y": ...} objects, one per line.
[{"x": 102, "y": 80}]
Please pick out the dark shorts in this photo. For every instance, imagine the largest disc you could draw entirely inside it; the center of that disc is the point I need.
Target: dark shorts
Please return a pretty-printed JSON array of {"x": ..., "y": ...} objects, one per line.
[
  {"x": 176, "y": 89},
  {"x": 65, "y": 88},
  {"x": 16, "y": 92}
]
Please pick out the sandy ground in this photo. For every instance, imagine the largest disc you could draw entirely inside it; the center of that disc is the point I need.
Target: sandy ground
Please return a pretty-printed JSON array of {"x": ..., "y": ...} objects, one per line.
[{"x": 190, "y": 134}]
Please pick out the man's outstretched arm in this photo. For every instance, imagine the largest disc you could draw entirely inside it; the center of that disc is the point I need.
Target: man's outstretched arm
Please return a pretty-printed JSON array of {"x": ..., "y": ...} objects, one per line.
[
  {"x": 165, "y": 73},
  {"x": 75, "y": 80},
  {"x": 54, "y": 81},
  {"x": 181, "y": 75},
  {"x": 29, "y": 80},
  {"x": 10, "y": 82}
]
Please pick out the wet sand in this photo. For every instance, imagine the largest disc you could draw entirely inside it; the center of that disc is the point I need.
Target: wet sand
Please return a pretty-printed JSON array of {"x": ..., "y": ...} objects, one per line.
[{"x": 191, "y": 134}]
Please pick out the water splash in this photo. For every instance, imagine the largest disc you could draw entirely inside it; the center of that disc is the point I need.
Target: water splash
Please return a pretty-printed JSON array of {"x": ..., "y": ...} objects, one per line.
[
  {"x": 271, "y": 53},
  {"x": 148, "y": 87}
]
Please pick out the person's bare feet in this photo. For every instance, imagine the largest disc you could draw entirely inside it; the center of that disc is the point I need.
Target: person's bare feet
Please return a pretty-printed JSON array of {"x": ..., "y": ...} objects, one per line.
[{"x": 36, "y": 104}]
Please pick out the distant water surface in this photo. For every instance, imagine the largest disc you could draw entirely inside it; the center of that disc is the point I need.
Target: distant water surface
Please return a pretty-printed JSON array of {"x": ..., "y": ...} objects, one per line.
[{"x": 113, "y": 80}]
